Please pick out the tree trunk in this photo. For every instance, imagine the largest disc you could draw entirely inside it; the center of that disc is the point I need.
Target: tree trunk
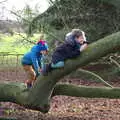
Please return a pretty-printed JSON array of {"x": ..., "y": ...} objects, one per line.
[{"x": 38, "y": 97}]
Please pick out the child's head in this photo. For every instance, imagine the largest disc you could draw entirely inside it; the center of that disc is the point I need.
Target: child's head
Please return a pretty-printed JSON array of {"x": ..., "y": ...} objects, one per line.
[
  {"x": 43, "y": 47},
  {"x": 79, "y": 35}
]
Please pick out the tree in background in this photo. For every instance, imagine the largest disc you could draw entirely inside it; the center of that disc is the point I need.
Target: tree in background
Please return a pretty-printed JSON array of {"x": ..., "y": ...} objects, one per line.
[
  {"x": 26, "y": 15},
  {"x": 98, "y": 18}
]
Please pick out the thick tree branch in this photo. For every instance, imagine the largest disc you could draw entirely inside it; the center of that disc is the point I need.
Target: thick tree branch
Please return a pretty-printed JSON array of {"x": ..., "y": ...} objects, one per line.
[
  {"x": 87, "y": 92},
  {"x": 13, "y": 92},
  {"x": 38, "y": 97}
]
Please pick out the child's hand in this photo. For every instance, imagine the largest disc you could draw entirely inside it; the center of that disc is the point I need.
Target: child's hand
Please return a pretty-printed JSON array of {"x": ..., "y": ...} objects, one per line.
[{"x": 83, "y": 47}]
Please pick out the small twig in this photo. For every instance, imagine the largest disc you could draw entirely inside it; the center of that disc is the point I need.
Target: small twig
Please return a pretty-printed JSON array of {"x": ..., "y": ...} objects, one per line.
[
  {"x": 30, "y": 22},
  {"x": 114, "y": 61},
  {"x": 101, "y": 79},
  {"x": 25, "y": 38},
  {"x": 19, "y": 16},
  {"x": 3, "y": 1}
]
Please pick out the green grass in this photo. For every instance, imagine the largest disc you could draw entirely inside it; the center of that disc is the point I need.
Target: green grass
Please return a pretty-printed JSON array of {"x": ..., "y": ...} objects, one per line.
[
  {"x": 14, "y": 44},
  {"x": 11, "y": 46}
]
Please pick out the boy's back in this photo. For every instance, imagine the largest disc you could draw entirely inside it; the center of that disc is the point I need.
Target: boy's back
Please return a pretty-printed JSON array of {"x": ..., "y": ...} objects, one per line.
[{"x": 67, "y": 50}]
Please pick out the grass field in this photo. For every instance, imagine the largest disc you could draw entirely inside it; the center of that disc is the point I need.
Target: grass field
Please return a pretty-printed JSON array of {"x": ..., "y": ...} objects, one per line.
[
  {"x": 16, "y": 44},
  {"x": 13, "y": 47}
]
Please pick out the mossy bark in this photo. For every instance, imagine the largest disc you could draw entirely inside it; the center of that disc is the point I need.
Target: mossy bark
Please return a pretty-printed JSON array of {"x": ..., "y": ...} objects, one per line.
[
  {"x": 87, "y": 92},
  {"x": 116, "y": 3},
  {"x": 38, "y": 97}
]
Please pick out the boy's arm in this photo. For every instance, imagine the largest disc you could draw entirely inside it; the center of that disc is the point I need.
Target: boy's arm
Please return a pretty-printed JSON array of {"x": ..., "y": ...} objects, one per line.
[
  {"x": 77, "y": 51},
  {"x": 35, "y": 63},
  {"x": 39, "y": 62},
  {"x": 74, "y": 53},
  {"x": 42, "y": 62},
  {"x": 83, "y": 47}
]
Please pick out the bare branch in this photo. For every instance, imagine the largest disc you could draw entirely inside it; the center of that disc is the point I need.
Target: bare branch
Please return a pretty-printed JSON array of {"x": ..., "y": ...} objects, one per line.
[
  {"x": 114, "y": 61},
  {"x": 97, "y": 76},
  {"x": 3, "y": 1}
]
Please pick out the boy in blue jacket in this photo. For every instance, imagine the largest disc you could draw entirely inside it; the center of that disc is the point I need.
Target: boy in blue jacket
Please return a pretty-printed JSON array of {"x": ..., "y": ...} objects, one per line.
[
  {"x": 75, "y": 42},
  {"x": 32, "y": 61}
]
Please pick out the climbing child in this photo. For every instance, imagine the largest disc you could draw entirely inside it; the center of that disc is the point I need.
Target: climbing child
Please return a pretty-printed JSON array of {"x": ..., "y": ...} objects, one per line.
[
  {"x": 32, "y": 61},
  {"x": 75, "y": 42}
]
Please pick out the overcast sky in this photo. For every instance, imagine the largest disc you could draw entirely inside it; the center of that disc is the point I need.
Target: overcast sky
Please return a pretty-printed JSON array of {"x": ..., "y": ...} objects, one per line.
[{"x": 20, "y": 4}]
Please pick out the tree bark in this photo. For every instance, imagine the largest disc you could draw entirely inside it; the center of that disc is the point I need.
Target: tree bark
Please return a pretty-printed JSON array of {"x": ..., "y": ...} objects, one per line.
[
  {"x": 115, "y": 3},
  {"x": 87, "y": 92},
  {"x": 38, "y": 97}
]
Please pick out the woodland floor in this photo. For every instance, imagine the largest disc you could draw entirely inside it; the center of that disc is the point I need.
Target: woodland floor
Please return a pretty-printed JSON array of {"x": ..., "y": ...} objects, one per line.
[{"x": 63, "y": 107}]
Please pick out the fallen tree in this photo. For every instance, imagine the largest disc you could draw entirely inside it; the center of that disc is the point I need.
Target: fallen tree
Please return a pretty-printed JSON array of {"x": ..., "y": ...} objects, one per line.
[{"x": 38, "y": 97}]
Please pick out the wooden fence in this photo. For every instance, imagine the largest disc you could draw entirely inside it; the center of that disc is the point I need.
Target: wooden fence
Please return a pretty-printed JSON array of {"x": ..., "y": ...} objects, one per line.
[{"x": 11, "y": 68}]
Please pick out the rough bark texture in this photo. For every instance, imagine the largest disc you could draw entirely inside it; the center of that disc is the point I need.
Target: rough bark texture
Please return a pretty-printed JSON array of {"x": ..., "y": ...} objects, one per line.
[
  {"x": 38, "y": 97},
  {"x": 88, "y": 92},
  {"x": 116, "y": 3}
]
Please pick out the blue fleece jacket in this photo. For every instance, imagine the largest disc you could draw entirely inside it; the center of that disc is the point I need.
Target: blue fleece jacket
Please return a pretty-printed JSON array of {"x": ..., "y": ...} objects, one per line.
[{"x": 34, "y": 57}]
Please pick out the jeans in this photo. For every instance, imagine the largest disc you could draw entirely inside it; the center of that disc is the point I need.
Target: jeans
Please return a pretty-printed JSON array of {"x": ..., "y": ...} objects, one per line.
[{"x": 58, "y": 64}]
